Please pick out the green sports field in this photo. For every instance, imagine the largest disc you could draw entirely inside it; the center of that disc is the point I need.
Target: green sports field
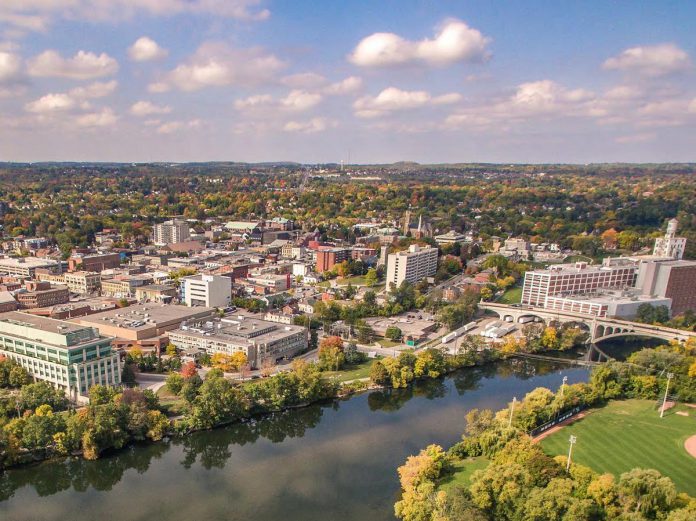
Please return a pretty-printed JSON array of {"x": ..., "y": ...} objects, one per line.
[{"x": 629, "y": 434}]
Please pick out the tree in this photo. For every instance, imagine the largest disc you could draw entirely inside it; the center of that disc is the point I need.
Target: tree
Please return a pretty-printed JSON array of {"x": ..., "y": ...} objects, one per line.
[
  {"x": 352, "y": 355},
  {"x": 371, "y": 279},
  {"x": 189, "y": 369},
  {"x": 646, "y": 491},
  {"x": 171, "y": 350},
  {"x": 331, "y": 357},
  {"x": 393, "y": 333},
  {"x": 174, "y": 382}
]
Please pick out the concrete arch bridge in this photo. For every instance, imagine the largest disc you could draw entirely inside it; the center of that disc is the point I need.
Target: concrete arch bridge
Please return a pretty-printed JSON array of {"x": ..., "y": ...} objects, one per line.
[{"x": 600, "y": 328}]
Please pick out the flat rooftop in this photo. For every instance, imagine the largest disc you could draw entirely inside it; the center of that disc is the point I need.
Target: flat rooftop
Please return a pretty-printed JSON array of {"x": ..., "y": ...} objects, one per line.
[
  {"x": 49, "y": 330},
  {"x": 29, "y": 262},
  {"x": 145, "y": 316},
  {"x": 240, "y": 329}
]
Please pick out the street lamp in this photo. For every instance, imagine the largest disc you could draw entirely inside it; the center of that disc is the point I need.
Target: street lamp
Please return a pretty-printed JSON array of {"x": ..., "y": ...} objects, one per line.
[
  {"x": 512, "y": 410},
  {"x": 565, "y": 380},
  {"x": 573, "y": 440},
  {"x": 664, "y": 401}
]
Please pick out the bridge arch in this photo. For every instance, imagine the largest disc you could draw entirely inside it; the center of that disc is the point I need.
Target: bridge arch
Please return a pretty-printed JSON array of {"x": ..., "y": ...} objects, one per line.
[{"x": 618, "y": 333}]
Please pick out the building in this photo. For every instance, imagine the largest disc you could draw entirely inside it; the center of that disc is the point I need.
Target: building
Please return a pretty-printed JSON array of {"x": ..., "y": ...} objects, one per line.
[
  {"x": 69, "y": 356},
  {"x": 671, "y": 279},
  {"x": 142, "y": 325},
  {"x": 206, "y": 290},
  {"x": 670, "y": 245},
  {"x": 261, "y": 341},
  {"x": 327, "y": 258},
  {"x": 7, "y": 302},
  {"x": 576, "y": 279},
  {"x": 96, "y": 262},
  {"x": 41, "y": 295},
  {"x": 83, "y": 282},
  {"x": 412, "y": 265},
  {"x": 170, "y": 232},
  {"x": 270, "y": 282},
  {"x": 613, "y": 304},
  {"x": 124, "y": 286},
  {"x": 160, "y": 293},
  {"x": 451, "y": 237},
  {"x": 25, "y": 267}
]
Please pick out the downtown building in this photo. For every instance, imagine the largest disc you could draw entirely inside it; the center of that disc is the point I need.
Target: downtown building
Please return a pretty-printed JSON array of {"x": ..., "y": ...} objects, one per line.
[
  {"x": 170, "y": 232},
  {"x": 68, "y": 356},
  {"x": 412, "y": 265}
]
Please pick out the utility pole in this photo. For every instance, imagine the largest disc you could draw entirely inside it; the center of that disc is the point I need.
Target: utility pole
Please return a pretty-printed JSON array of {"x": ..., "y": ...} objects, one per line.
[
  {"x": 512, "y": 410},
  {"x": 664, "y": 401},
  {"x": 565, "y": 380},
  {"x": 572, "y": 440}
]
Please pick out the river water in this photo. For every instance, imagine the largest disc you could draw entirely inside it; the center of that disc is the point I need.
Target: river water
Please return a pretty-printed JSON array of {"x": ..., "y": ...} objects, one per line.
[{"x": 335, "y": 461}]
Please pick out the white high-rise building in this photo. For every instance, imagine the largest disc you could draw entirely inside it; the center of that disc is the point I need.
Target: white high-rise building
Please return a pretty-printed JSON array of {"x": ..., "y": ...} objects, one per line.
[
  {"x": 412, "y": 265},
  {"x": 171, "y": 232},
  {"x": 212, "y": 291},
  {"x": 670, "y": 245}
]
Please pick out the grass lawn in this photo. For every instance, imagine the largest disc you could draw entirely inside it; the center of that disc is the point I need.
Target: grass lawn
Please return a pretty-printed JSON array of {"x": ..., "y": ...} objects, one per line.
[
  {"x": 351, "y": 372},
  {"x": 173, "y": 404},
  {"x": 385, "y": 342},
  {"x": 462, "y": 471},
  {"x": 578, "y": 258},
  {"x": 629, "y": 434},
  {"x": 512, "y": 296}
]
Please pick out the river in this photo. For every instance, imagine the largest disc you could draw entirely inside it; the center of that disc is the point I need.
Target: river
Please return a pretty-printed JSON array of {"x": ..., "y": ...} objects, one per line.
[{"x": 335, "y": 461}]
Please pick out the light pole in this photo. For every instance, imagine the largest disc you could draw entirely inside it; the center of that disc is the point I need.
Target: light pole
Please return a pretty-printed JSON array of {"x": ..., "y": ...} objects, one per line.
[
  {"x": 572, "y": 440},
  {"x": 512, "y": 410},
  {"x": 664, "y": 401},
  {"x": 565, "y": 380}
]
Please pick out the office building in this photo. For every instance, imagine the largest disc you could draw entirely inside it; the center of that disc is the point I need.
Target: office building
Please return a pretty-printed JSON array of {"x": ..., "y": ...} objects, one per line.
[
  {"x": 25, "y": 267},
  {"x": 327, "y": 258},
  {"x": 69, "y": 356},
  {"x": 171, "y": 232},
  {"x": 670, "y": 245},
  {"x": 96, "y": 262},
  {"x": 576, "y": 279},
  {"x": 451, "y": 237},
  {"x": 206, "y": 290},
  {"x": 259, "y": 340},
  {"x": 42, "y": 294},
  {"x": 412, "y": 265},
  {"x": 669, "y": 278}
]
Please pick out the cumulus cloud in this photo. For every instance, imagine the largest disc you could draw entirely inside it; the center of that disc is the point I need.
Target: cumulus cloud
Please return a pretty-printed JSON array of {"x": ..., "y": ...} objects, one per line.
[
  {"x": 304, "y": 80},
  {"x": 454, "y": 42},
  {"x": 146, "y": 108},
  {"x": 174, "y": 126},
  {"x": 651, "y": 60},
  {"x": 102, "y": 118},
  {"x": 309, "y": 127},
  {"x": 392, "y": 99},
  {"x": 146, "y": 49},
  {"x": 347, "y": 86},
  {"x": 36, "y": 15},
  {"x": 98, "y": 89},
  {"x": 10, "y": 66},
  {"x": 51, "y": 103},
  {"x": 217, "y": 65},
  {"x": 83, "y": 66},
  {"x": 295, "y": 101}
]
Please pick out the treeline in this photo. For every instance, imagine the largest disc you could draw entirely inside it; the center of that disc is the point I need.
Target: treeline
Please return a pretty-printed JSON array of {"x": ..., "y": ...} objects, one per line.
[{"x": 522, "y": 483}]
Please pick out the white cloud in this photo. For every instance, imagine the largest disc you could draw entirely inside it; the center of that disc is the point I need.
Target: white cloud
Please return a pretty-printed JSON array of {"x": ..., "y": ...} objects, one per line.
[
  {"x": 146, "y": 108},
  {"x": 98, "y": 89},
  {"x": 50, "y": 103},
  {"x": 158, "y": 87},
  {"x": 104, "y": 118},
  {"x": 454, "y": 42},
  {"x": 346, "y": 86},
  {"x": 217, "y": 65},
  {"x": 83, "y": 66},
  {"x": 309, "y": 127},
  {"x": 392, "y": 99},
  {"x": 296, "y": 101},
  {"x": 174, "y": 126},
  {"x": 146, "y": 49},
  {"x": 651, "y": 60},
  {"x": 692, "y": 106},
  {"x": 36, "y": 15},
  {"x": 10, "y": 66}
]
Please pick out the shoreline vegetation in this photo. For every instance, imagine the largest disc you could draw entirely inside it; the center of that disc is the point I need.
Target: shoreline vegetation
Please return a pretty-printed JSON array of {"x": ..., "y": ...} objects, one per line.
[{"x": 497, "y": 472}]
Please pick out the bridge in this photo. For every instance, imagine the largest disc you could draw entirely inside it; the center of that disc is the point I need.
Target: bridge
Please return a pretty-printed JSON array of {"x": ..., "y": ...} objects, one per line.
[{"x": 600, "y": 328}]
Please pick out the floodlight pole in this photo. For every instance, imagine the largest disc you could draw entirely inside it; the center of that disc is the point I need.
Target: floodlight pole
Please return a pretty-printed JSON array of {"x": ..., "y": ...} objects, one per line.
[
  {"x": 572, "y": 440},
  {"x": 565, "y": 380},
  {"x": 512, "y": 410},
  {"x": 664, "y": 401}
]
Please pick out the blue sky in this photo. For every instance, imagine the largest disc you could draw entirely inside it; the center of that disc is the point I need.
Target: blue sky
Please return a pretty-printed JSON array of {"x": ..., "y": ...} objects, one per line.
[{"x": 363, "y": 81}]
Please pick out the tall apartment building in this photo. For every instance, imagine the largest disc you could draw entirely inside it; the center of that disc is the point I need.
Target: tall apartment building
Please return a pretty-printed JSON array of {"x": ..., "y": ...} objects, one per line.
[
  {"x": 171, "y": 232},
  {"x": 68, "y": 356},
  {"x": 213, "y": 291},
  {"x": 577, "y": 279},
  {"x": 412, "y": 265},
  {"x": 259, "y": 340},
  {"x": 670, "y": 245},
  {"x": 329, "y": 257}
]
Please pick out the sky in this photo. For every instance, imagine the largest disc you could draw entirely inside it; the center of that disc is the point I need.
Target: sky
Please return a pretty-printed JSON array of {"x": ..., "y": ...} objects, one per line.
[{"x": 363, "y": 81}]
